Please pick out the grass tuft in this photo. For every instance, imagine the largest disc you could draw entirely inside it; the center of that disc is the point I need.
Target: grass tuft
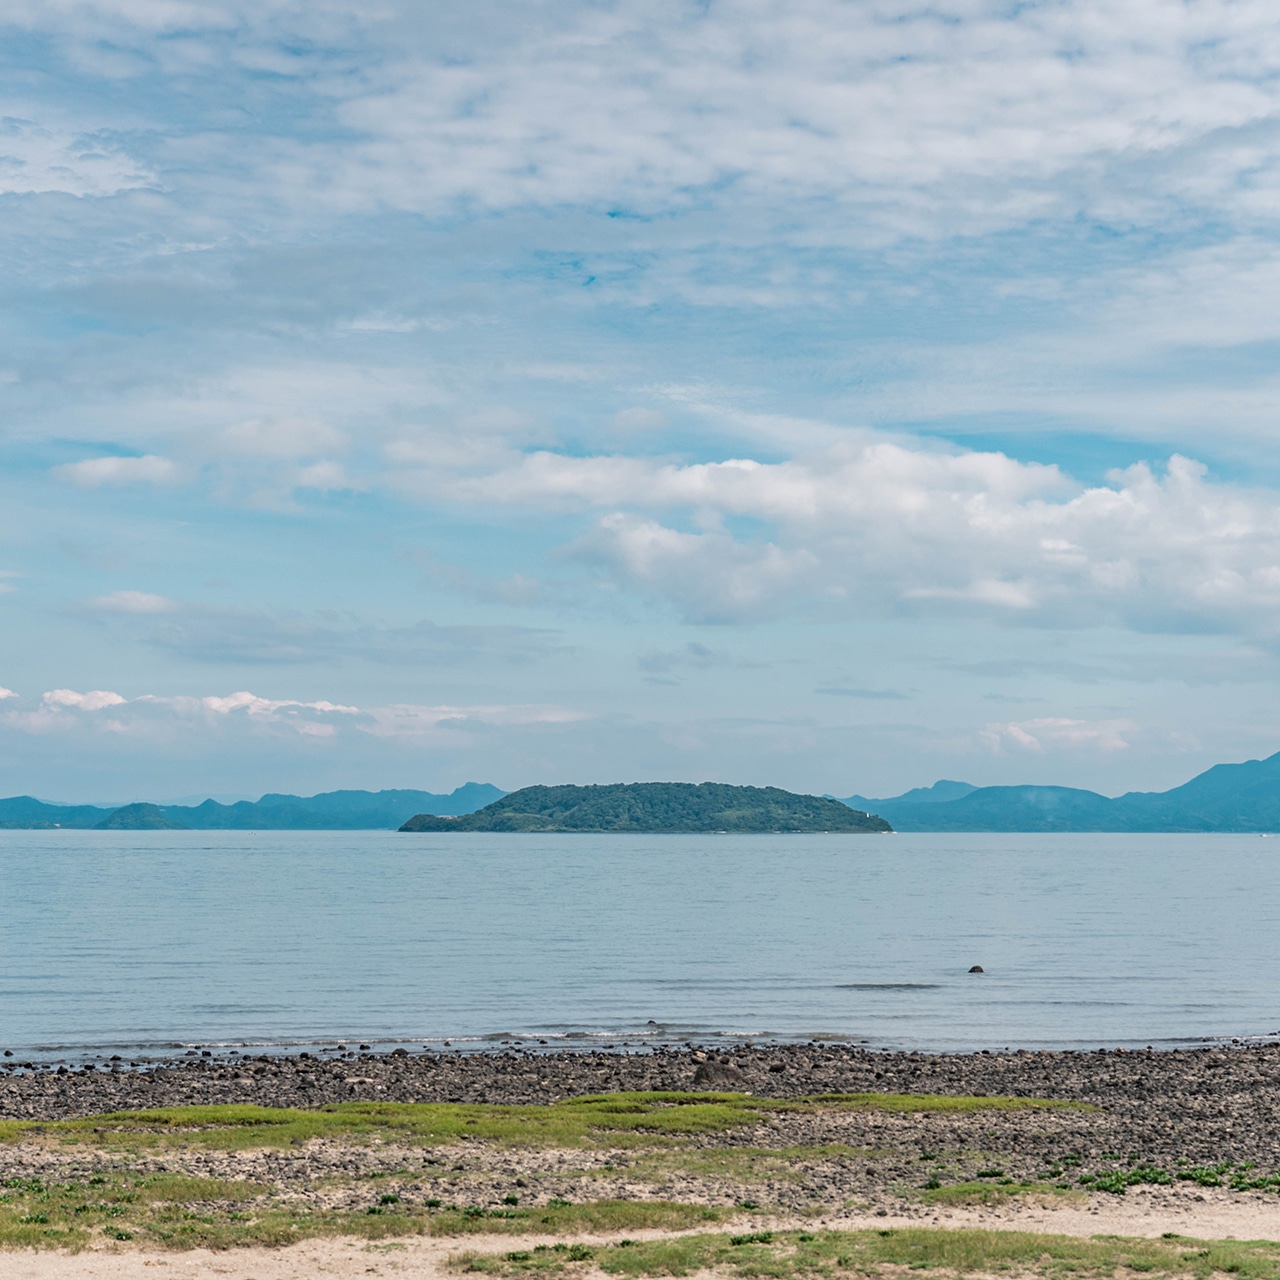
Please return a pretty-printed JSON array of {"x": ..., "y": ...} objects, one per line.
[
  {"x": 783, "y": 1255},
  {"x": 652, "y": 1119},
  {"x": 182, "y": 1212}
]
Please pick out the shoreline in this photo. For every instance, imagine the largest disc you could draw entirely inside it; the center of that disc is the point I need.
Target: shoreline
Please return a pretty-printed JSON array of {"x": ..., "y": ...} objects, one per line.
[
  {"x": 173, "y": 1053},
  {"x": 1208, "y": 1117},
  {"x": 1219, "y": 1089}
]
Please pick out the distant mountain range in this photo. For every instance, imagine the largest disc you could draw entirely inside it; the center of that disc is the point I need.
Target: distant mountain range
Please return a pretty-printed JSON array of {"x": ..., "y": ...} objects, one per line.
[
  {"x": 329, "y": 811},
  {"x": 658, "y": 807},
  {"x": 1228, "y": 797}
]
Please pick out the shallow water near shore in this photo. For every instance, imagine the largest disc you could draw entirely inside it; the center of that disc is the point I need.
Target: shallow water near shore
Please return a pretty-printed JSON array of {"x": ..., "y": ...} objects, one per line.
[{"x": 151, "y": 941}]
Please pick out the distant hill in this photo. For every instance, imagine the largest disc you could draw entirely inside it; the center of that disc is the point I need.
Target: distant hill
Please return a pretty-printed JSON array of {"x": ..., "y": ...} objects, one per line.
[
  {"x": 1227, "y": 797},
  {"x": 329, "y": 811},
  {"x": 656, "y": 807},
  {"x": 29, "y": 813},
  {"x": 137, "y": 817},
  {"x": 332, "y": 810},
  {"x": 939, "y": 793}
]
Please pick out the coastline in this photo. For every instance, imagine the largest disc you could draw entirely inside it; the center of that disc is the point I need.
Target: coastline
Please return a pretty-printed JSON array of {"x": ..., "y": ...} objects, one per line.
[
  {"x": 1210, "y": 1117},
  {"x": 1224, "y": 1102}
]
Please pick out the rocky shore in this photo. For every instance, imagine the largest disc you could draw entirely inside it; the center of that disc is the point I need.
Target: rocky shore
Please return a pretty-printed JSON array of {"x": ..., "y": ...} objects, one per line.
[
  {"x": 1198, "y": 1129},
  {"x": 1200, "y": 1105}
]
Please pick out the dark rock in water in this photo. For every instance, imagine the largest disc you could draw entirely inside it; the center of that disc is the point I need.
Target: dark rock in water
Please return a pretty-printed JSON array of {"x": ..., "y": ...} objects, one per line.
[
  {"x": 977, "y": 968},
  {"x": 138, "y": 817},
  {"x": 712, "y": 1072}
]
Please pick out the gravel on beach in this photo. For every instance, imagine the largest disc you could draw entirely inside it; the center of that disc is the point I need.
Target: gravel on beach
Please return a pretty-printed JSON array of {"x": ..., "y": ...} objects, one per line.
[
  {"x": 1198, "y": 1104},
  {"x": 1179, "y": 1111}
]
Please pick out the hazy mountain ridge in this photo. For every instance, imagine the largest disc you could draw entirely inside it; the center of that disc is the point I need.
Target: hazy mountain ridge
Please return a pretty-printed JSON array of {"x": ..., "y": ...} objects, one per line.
[
  {"x": 328, "y": 811},
  {"x": 657, "y": 807},
  {"x": 1227, "y": 797}
]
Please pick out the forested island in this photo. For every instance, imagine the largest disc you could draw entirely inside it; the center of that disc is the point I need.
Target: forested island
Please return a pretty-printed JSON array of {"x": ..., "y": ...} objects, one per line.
[{"x": 659, "y": 807}]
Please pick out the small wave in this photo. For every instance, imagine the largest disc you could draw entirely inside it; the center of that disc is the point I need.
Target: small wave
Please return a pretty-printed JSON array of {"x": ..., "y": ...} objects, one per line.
[{"x": 888, "y": 986}]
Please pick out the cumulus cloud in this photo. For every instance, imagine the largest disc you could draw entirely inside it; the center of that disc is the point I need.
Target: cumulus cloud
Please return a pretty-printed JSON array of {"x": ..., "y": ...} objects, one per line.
[
  {"x": 1055, "y": 733},
  {"x": 876, "y": 525},
  {"x": 251, "y": 704},
  {"x": 94, "y": 700},
  {"x": 92, "y": 473},
  {"x": 6, "y": 693}
]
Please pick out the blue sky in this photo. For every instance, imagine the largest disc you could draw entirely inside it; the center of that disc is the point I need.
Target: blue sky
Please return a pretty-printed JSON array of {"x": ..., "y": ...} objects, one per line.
[{"x": 834, "y": 395}]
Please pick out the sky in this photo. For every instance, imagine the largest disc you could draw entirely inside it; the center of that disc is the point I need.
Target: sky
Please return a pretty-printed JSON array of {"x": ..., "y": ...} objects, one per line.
[{"x": 831, "y": 394}]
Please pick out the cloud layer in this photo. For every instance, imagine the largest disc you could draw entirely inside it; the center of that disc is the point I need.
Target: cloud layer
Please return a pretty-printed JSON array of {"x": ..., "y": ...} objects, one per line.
[
  {"x": 479, "y": 366},
  {"x": 861, "y": 529},
  {"x": 154, "y": 717}
]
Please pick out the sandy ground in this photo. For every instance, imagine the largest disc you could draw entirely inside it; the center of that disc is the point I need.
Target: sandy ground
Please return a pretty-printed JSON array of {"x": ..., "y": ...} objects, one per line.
[{"x": 1138, "y": 1214}]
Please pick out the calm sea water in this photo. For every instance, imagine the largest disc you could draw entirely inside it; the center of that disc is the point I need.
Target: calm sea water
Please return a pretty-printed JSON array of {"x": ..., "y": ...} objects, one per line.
[{"x": 151, "y": 940}]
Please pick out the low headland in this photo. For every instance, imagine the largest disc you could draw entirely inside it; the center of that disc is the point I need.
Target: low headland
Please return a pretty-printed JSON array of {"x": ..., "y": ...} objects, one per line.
[
  {"x": 657, "y": 807},
  {"x": 763, "y": 1160}
]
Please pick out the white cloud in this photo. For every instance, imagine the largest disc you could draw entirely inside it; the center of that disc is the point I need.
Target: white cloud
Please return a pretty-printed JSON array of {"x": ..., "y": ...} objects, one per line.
[
  {"x": 130, "y": 602},
  {"x": 95, "y": 472},
  {"x": 6, "y": 693},
  {"x": 876, "y": 526},
  {"x": 246, "y": 702},
  {"x": 156, "y": 716},
  {"x": 1052, "y": 733},
  {"x": 36, "y": 157},
  {"x": 898, "y": 120},
  {"x": 409, "y": 721},
  {"x": 94, "y": 700},
  {"x": 972, "y": 115}
]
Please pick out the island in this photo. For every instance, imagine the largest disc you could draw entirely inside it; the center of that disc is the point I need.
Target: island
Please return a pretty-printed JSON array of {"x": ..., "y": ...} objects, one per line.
[
  {"x": 657, "y": 807},
  {"x": 138, "y": 817}
]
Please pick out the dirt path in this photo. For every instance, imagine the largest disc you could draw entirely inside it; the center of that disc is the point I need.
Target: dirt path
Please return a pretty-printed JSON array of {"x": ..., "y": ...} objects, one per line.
[{"x": 1138, "y": 1214}]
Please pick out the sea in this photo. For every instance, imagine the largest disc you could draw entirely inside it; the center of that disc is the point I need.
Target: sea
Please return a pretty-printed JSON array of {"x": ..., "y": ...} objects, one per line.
[{"x": 147, "y": 943}]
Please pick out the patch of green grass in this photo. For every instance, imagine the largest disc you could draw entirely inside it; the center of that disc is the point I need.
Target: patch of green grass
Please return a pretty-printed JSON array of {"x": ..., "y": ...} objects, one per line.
[
  {"x": 623, "y": 1119},
  {"x": 989, "y": 1193},
  {"x": 39, "y": 1213},
  {"x": 593, "y": 1217},
  {"x": 182, "y": 1212},
  {"x": 783, "y": 1255}
]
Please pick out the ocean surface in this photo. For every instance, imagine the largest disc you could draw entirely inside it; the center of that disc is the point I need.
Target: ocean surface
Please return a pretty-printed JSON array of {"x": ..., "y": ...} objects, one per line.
[{"x": 150, "y": 941}]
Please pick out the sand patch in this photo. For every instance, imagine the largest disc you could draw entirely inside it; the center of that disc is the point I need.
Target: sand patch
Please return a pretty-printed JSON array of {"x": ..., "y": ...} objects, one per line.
[{"x": 347, "y": 1259}]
